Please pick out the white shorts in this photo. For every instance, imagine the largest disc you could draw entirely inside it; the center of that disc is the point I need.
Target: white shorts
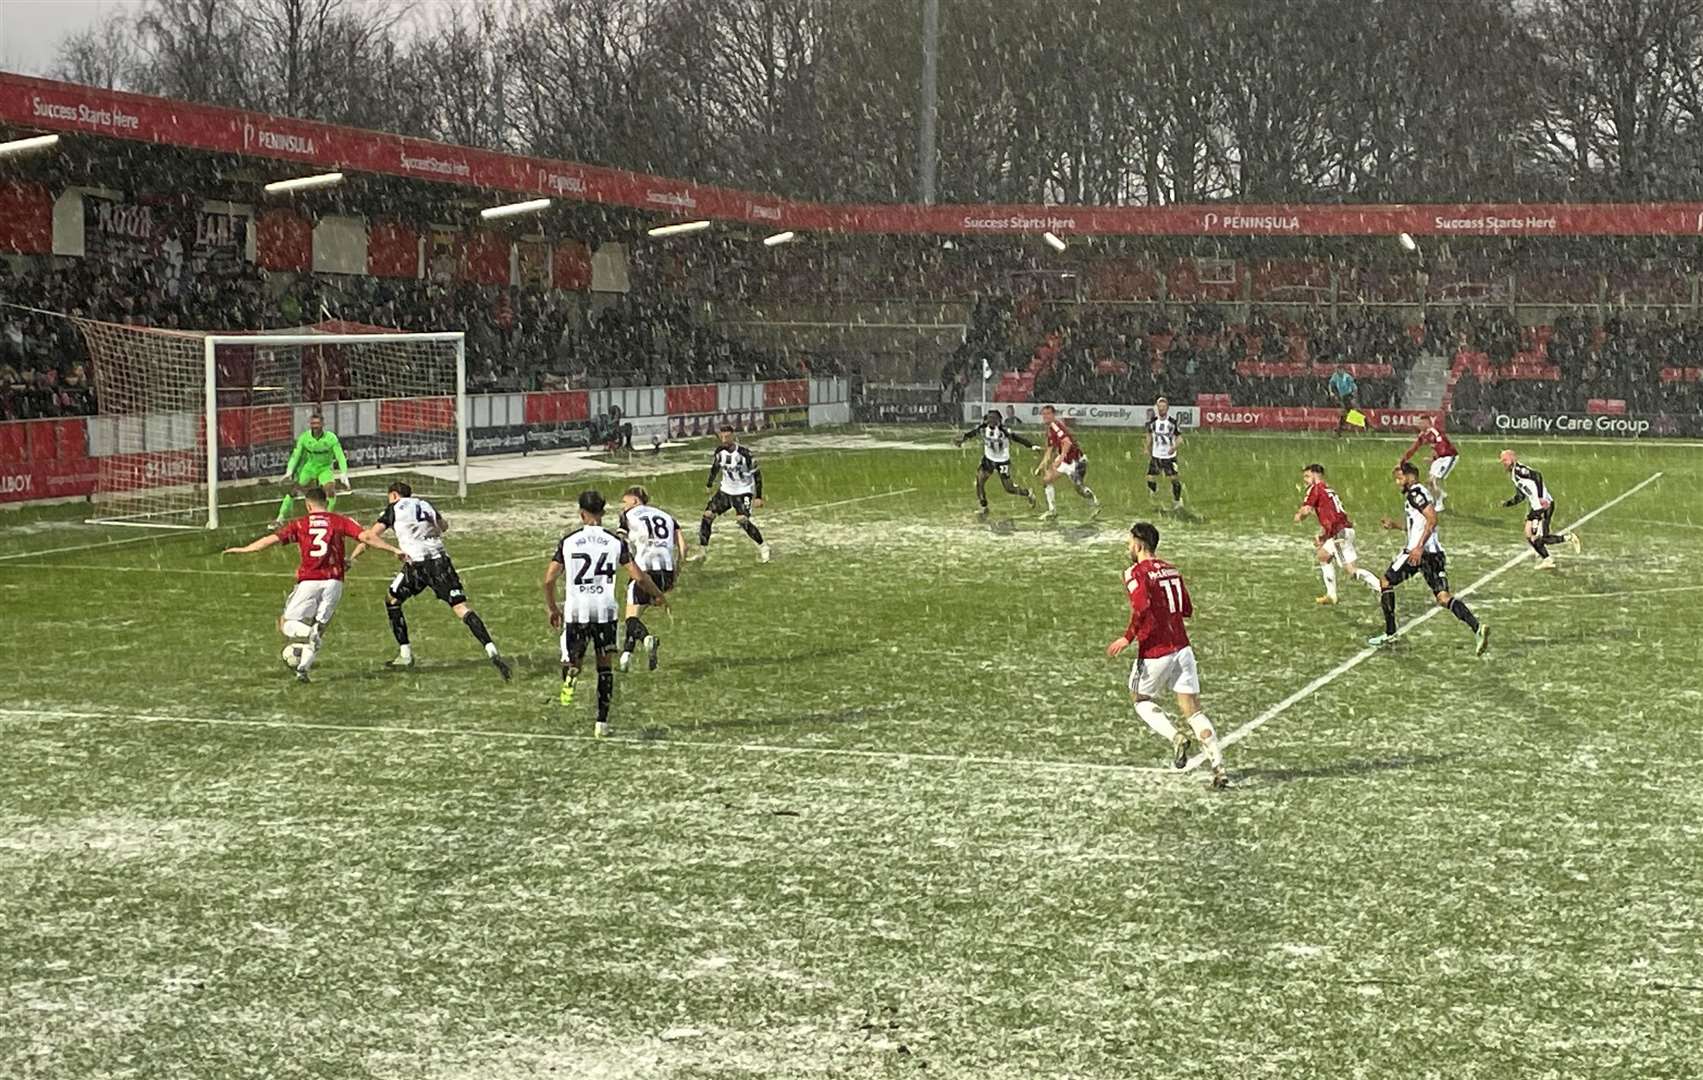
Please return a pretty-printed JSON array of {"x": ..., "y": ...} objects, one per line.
[
  {"x": 1175, "y": 672},
  {"x": 1071, "y": 468},
  {"x": 1341, "y": 548},
  {"x": 1443, "y": 466},
  {"x": 313, "y": 601}
]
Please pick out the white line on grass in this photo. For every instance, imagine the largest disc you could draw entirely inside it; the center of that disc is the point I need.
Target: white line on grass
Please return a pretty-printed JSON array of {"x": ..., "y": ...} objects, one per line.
[
  {"x": 1554, "y": 597},
  {"x": 114, "y": 568},
  {"x": 81, "y": 547},
  {"x": 25, "y": 716},
  {"x": 1669, "y": 524},
  {"x": 1366, "y": 654}
]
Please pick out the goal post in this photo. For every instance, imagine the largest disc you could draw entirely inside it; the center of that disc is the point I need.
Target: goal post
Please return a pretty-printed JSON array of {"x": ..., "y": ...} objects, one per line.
[{"x": 185, "y": 417}]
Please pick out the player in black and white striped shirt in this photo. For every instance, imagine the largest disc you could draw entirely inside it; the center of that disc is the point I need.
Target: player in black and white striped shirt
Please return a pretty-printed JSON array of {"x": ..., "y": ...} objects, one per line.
[
  {"x": 658, "y": 545},
  {"x": 588, "y": 557},
  {"x": 1540, "y": 508},
  {"x": 419, "y": 529},
  {"x": 1422, "y": 554},
  {"x": 996, "y": 457},
  {"x": 1164, "y": 437},
  {"x": 740, "y": 481}
]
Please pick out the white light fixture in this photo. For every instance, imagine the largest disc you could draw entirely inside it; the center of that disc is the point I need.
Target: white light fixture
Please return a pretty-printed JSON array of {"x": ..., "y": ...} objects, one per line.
[
  {"x": 678, "y": 228},
  {"x": 1407, "y": 242},
  {"x": 780, "y": 238},
  {"x": 34, "y": 142},
  {"x": 514, "y": 209},
  {"x": 304, "y": 183},
  {"x": 1053, "y": 241}
]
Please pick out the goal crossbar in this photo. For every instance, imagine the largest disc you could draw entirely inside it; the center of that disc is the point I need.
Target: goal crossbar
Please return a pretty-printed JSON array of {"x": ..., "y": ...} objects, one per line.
[{"x": 152, "y": 391}]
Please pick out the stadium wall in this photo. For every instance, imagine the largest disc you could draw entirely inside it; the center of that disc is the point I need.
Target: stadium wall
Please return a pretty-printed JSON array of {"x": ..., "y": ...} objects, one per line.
[{"x": 51, "y": 460}]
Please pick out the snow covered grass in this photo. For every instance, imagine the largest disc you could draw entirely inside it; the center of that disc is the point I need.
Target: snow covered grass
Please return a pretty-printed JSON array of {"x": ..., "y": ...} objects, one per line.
[{"x": 883, "y": 812}]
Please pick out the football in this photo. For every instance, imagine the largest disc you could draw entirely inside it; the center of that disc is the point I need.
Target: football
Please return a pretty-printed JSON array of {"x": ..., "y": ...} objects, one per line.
[{"x": 293, "y": 654}]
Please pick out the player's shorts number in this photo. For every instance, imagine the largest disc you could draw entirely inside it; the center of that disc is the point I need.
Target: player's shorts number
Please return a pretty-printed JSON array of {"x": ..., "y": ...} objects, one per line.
[{"x": 991, "y": 467}]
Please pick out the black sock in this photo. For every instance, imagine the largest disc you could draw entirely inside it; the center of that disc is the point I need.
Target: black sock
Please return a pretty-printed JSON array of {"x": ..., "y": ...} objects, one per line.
[
  {"x": 1177, "y": 490},
  {"x": 1538, "y": 546},
  {"x": 752, "y": 531},
  {"x": 982, "y": 490},
  {"x": 1551, "y": 538},
  {"x": 1152, "y": 486},
  {"x": 1459, "y": 610},
  {"x": 398, "y": 622},
  {"x": 703, "y": 532},
  {"x": 476, "y": 626},
  {"x": 605, "y": 692},
  {"x": 1387, "y": 601},
  {"x": 636, "y": 632}
]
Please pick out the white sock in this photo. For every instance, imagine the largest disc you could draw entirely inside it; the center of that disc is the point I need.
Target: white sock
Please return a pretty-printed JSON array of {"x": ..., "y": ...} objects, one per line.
[
  {"x": 1156, "y": 719},
  {"x": 407, "y": 652},
  {"x": 1208, "y": 739},
  {"x": 309, "y": 651},
  {"x": 1052, "y": 498},
  {"x": 1369, "y": 579},
  {"x": 1329, "y": 573},
  {"x": 491, "y": 649},
  {"x": 298, "y": 631}
]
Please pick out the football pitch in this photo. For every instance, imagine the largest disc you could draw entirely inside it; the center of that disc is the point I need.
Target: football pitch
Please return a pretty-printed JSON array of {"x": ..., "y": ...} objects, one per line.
[{"x": 885, "y": 809}]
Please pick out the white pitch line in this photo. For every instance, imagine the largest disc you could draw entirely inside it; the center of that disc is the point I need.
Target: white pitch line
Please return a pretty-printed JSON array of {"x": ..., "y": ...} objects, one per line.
[
  {"x": 1551, "y": 598},
  {"x": 1366, "y": 654},
  {"x": 114, "y": 568},
  {"x": 81, "y": 547},
  {"x": 25, "y": 716},
  {"x": 1670, "y": 524}
]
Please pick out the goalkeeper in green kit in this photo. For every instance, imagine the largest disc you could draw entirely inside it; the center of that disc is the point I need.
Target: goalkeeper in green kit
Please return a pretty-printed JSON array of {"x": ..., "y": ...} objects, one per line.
[{"x": 310, "y": 465}]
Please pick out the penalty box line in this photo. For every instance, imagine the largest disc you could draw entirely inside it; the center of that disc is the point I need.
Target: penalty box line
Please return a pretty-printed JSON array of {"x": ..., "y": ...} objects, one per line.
[
  {"x": 1366, "y": 654},
  {"x": 896, "y": 757}
]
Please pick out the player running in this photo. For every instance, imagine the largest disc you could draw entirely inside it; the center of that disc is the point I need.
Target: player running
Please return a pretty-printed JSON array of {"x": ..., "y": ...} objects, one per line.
[
  {"x": 657, "y": 544},
  {"x": 1163, "y": 438},
  {"x": 996, "y": 458},
  {"x": 741, "y": 487},
  {"x": 310, "y": 465},
  {"x": 1530, "y": 488},
  {"x": 1422, "y": 555},
  {"x": 1159, "y": 602},
  {"x": 1335, "y": 541},
  {"x": 593, "y": 554},
  {"x": 1443, "y": 457},
  {"x": 419, "y": 531},
  {"x": 1063, "y": 456},
  {"x": 319, "y": 574}
]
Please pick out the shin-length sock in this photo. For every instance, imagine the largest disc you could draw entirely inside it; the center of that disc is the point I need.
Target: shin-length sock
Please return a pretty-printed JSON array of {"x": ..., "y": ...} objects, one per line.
[
  {"x": 1152, "y": 486},
  {"x": 1154, "y": 717},
  {"x": 398, "y": 626},
  {"x": 982, "y": 489},
  {"x": 1177, "y": 490},
  {"x": 1387, "y": 601},
  {"x": 1052, "y": 499},
  {"x": 636, "y": 632},
  {"x": 1368, "y": 579},
  {"x": 703, "y": 532},
  {"x": 1459, "y": 610},
  {"x": 1208, "y": 738},
  {"x": 476, "y": 626},
  {"x": 605, "y": 693},
  {"x": 1540, "y": 547},
  {"x": 752, "y": 531},
  {"x": 284, "y": 507},
  {"x": 1328, "y": 572}
]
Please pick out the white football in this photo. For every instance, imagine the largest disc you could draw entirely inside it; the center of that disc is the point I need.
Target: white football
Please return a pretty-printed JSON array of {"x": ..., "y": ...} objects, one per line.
[{"x": 293, "y": 654}]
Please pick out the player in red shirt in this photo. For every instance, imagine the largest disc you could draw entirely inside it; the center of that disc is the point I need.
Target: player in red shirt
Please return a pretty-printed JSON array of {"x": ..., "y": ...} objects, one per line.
[
  {"x": 319, "y": 574},
  {"x": 1063, "y": 455},
  {"x": 1443, "y": 456},
  {"x": 1159, "y": 602},
  {"x": 1336, "y": 533}
]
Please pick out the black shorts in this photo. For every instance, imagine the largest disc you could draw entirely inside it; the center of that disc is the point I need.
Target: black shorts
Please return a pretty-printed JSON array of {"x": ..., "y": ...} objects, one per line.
[
  {"x": 436, "y": 575},
  {"x": 1433, "y": 564},
  {"x": 721, "y": 502},
  {"x": 1003, "y": 468},
  {"x": 1155, "y": 466},
  {"x": 1542, "y": 517},
  {"x": 664, "y": 580},
  {"x": 577, "y": 637}
]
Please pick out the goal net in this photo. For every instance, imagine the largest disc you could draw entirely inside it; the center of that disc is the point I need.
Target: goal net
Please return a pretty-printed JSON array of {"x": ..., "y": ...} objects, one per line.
[{"x": 184, "y": 418}]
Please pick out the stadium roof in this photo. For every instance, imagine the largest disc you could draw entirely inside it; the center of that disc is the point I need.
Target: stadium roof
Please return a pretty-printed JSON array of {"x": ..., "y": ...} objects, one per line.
[{"x": 44, "y": 105}]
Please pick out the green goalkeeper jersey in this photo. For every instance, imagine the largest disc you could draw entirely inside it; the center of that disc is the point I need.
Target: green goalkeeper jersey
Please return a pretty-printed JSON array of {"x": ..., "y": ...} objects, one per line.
[{"x": 314, "y": 454}]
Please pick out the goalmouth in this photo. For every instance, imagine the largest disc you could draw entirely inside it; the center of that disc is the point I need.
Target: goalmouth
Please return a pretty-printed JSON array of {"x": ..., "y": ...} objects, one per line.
[{"x": 184, "y": 415}]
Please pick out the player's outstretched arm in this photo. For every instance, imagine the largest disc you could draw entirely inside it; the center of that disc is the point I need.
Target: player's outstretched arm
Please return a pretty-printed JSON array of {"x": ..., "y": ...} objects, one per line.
[
  {"x": 1020, "y": 440},
  {"x": 552, "y": 574},
  {"x": 250, "y": 548}
]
